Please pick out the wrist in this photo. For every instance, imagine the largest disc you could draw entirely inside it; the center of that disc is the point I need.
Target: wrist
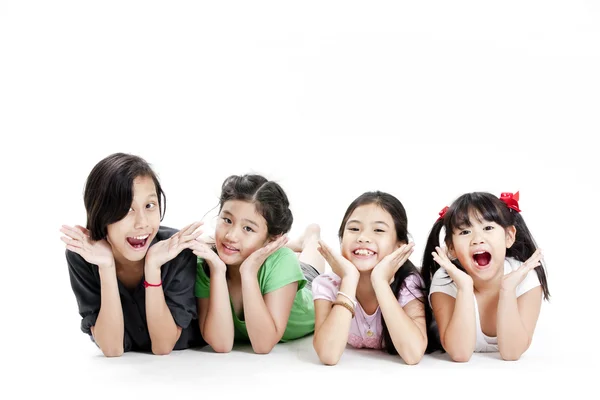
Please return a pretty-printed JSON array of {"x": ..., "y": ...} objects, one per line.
[{"x": 152, "y": 276}]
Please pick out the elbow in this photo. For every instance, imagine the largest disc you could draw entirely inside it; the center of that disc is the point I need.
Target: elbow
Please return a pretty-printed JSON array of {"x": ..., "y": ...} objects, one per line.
[
  {"x": 413, "y": 359},
  {"x": 221, "y": 347},
  {"x": 328, "y": 359},
  {"x": 460, "y": 356},
  {"x": 262, "y": 348},
  {"x": 326, "y": 356},
  {"x": 116, "y": 351},
  {"x": 161, "y": 350},
  {"x": 510, "y": 355}
]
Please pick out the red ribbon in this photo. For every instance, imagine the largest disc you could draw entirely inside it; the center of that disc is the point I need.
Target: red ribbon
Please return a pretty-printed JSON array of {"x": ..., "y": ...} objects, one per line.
[
  {"x": 511, "y": 200},
  {"x": 443, "y": 212}
]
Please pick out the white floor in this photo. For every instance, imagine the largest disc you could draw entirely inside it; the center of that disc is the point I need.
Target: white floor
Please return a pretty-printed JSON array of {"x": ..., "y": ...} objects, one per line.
[{"x": 76, "y": 369}]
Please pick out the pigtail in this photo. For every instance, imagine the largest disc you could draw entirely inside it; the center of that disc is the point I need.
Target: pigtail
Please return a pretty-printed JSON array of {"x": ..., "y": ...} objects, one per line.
[{"x": 524, "y": 247}]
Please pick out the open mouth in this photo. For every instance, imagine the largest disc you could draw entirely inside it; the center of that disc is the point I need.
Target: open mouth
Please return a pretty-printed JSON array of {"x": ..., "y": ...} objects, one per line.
[
  {"x": 138, "y": 242},
  {"x": 482, "y": 259},
  {"x": 363, "y": 253}
]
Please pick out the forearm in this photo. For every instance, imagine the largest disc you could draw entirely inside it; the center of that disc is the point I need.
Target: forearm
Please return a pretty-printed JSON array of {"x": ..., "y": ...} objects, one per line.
[
  {"x": 513, "y": 338},
  {"x": 329, "y": 340},
  {"x": 409, "y": 341},
  {"x": 164, "y": 333},
  {"x": 218, "y": 329},
  {"x": 262, "y": 331},
  {"x": 109, "y": 329},
  {"x": 461, "y": 335}
]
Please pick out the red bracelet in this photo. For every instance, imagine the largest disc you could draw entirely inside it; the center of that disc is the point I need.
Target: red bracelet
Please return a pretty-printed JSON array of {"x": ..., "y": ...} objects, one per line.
[{"x": 146, "y": 284}]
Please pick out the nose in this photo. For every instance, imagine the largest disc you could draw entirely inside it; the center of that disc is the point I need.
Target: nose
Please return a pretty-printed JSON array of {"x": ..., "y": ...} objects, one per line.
[
  {"x": 141, "y": 219},
  {"x": 231, "y": 236},
  {"x": 362, "y": 238},
  {"x": 477, "y": 238}
]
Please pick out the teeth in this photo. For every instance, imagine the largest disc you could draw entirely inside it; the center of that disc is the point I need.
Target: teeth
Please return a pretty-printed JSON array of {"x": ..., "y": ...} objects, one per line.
[
  {"x": 141, "y": 237},
  {"x": 363, "y": 252},
  {"x": 479, "y": 252}
]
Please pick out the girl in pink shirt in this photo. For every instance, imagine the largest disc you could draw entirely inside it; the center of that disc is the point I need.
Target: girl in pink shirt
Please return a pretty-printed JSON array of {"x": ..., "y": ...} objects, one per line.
[{"x": 373, "y": 298}]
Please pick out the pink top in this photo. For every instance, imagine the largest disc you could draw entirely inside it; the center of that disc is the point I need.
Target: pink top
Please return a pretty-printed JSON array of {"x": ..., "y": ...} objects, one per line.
[{"x": 365, "y": 329}]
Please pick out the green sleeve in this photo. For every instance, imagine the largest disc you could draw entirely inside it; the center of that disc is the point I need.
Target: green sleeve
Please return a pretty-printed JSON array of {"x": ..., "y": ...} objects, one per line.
[
  {"x": 202, "y": 289},
  {"x": 279, "y": 269}
]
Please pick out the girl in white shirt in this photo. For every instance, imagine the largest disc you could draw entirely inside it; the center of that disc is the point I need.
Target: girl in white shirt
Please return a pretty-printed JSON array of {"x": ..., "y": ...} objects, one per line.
[{"x": 486, "y": 287}]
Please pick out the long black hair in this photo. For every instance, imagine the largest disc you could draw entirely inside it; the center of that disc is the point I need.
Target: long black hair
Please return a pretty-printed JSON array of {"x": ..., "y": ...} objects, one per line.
[
  {"x": 396, "y": 210},
  {"x": 489, "y": 208}
]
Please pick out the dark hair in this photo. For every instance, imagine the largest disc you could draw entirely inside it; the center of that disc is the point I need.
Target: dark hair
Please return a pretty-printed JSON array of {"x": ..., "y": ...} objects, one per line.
[
  {"x": 396, "y": 210},
  {"x": 109, "y": 191},
  {"x": 489, "y": 208},
  {"x": 267, "y": 196}
]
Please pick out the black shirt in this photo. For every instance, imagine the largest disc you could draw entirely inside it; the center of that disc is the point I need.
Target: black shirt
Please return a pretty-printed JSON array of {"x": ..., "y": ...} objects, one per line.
[{"x": 178, "y": 280}]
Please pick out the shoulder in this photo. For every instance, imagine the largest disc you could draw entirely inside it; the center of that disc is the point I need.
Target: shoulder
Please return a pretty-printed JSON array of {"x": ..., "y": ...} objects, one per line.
[
  {"x": 441, "y": 282},
  {"x": 284, "y": 255},
  {"x": 76, "y": 262},
  {"x": 326, "y": 286},
  {"x": 165, "y": 232},
  {"x": 531, "y": 280}
]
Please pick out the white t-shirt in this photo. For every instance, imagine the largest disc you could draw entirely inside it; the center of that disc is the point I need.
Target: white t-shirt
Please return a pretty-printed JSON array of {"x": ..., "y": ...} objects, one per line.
[{"x": 441, "y": 282}]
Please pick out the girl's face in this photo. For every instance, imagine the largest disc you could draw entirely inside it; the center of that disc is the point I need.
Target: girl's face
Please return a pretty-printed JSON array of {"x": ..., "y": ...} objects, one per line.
[
  {"x": 481, "y": 247},
  {"x": 131, "y": 236},
  {"x": 240, "y": 231},
  {"x": 369, "y": 236}
]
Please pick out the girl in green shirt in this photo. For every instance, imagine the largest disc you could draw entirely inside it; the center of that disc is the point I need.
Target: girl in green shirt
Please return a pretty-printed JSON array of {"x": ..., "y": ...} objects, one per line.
[{"x": 251, "y": 286}]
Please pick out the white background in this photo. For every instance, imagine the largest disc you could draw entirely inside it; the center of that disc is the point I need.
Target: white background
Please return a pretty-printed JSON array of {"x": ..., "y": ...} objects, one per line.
[{"x": 426, "y": 100}]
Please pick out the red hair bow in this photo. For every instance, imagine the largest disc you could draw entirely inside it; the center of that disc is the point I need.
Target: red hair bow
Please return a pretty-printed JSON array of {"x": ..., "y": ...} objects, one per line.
[
  {"x": 442, "y": 213},
  {"x": 511, "y": 200}
]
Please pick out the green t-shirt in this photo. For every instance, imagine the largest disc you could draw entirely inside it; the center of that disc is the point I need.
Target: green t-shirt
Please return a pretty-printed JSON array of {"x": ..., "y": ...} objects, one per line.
[{"x": 279, "y": 269}]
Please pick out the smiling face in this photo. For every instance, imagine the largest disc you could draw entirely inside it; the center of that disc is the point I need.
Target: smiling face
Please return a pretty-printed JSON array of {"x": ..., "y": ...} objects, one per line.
[
  {"x": 240, "y": 231},
  {"x": 131, "y": 236},
  {"x": 369, "y": 236},
  {"x": 481, "y": 247}
]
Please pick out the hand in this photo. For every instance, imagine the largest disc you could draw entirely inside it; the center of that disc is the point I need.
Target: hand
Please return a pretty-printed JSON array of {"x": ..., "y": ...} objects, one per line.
[
  {"x": 340, "y": 265},
  {"x": 203, "y": 250},
  {"x": 78, "y": 241},
  {"x": 166, "y": 250},
  {"x": 252, "y": 264},
  {"x": 387, "y": 267},
  {"x": 512, "y": 280},
  {"x": 462, "y": 280}
]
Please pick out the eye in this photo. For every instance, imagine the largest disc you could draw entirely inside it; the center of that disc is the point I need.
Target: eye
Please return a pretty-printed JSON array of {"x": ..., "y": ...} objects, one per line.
[
  {"x": 226, "y": 220},
  {"x": 130, "y": 209},
  {"x": 248, "y": 229},
  {"x": 150, "y": 206},
  {"x": 464, "y": 232},
  {"x": 488, "y": 228},
  {"x": 353, "y": 229},
  {"x": 379, "y": 230}
]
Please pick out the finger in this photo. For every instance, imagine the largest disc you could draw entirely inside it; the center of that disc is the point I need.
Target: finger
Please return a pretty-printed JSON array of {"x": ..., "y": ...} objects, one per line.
[
  {"x": 189, "y": 229},
  {"x": 71, "y": 242},
  {"x": 192, "y": 236},
  {"x": 83, "y": 230},
  {"x": 72, "y": 232},
  {"x": 400, "y": 252},
  {"x": 75, "y": 249}
]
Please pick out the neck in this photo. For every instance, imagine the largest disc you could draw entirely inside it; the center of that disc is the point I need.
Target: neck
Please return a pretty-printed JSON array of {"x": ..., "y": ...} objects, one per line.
[
  {"x": 489, "y": 286},
  {"x": 126, "y": 265},
  {"x": 365, "y": 294},
  {"x": 233, "y": 273}
]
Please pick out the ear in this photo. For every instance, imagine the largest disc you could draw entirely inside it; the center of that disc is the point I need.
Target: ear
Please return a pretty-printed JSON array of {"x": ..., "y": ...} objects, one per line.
[
  {"x": 511, "y": 235},
  {"x": 451, "y": 254},
  {"x": 399, "y": 244},
  {"x": 272, "y": 239}
]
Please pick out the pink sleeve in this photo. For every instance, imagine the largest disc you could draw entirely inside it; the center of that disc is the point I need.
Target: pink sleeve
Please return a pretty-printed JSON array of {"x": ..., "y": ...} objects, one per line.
[
  {"x": 325, "y": 287},
  {"x": 411, "y": 289}
]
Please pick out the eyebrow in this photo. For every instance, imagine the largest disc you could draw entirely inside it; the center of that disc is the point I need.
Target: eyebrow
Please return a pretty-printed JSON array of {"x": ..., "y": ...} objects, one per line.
[
  {"x": 375, "y": 222},
  {"x": 243, "y": 219}
]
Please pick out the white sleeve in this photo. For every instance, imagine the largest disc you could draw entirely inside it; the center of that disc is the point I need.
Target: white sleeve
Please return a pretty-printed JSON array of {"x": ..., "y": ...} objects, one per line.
[
  {"x": 531, "y": 281},
  {"x": 441, "y": 282}
]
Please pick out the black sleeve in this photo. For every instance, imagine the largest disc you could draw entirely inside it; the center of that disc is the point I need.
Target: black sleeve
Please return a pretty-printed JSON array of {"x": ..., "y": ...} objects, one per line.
[
  {"x": 178, "y": 286},
  {"x": 85, "y": 282}
]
